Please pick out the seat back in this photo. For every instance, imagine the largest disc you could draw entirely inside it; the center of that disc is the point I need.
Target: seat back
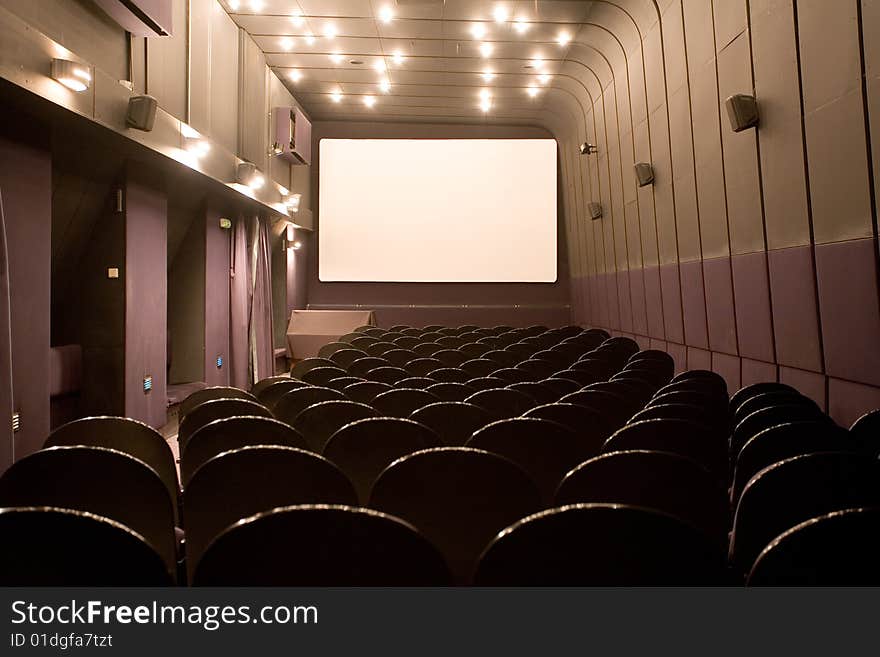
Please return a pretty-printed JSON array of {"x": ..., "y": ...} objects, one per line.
[
  {"x": 345, "y": 547},
  {"x": 453, "y": 422},
  {"x": 362, "y": 449},
  {"x": 124, "y": 435},
  {"x": 770, "y": 400},
  {"x": 836, "y": 549},
  {"x": 590, "y": 426},
  {"x": 866, "y": 433},
  {"x": 794, "y": 490},
  {"x": 365, "y": 391},
  {"x": 96, "y": 551},
  {"x": 387, "y": 374},
  {"x": 600, "y": 545},
  {"x": 451, "y": 390},
  {"x": 262, "y": 384},
  {"x": 544, "y": 449},
  {"x": 764, "y": 418},
  {"x": 207, "y": 412},
  {"x": 321, "y": 376},
  {"x": 755, "y": 389},
  {"x": 402, "y": 401},
  {"x": 270, "y": 395},
  {"x": 100, "y": 481},
  {"x": 232, "y": 433},
  {"x": 210, "y": 394},
  {"x": 422, "y": 366},
  {"x": 614, "y": 408},
  {"x": 249, "y": 480},
  {"x": 503, "y": 403},
  {"x": 319, "y": 421},
  {"x": 307, "y": 364},
  {"x": 294, "y": 402},
  {"x": 459, "y": 498},
  {"x": 656, "y": 480}
]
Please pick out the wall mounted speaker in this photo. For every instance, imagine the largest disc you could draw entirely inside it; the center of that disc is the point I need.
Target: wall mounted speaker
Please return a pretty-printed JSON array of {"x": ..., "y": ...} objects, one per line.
[
  {"x": 141, "y": 113},
  {"x": 595, "y": 211},
  {"x": 742, "y": 110},
  {"x": 644, "y": 173}
]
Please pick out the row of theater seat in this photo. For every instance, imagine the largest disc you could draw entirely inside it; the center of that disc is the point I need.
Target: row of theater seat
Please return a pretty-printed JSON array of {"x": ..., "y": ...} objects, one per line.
[{"x": 441, "y": 455}]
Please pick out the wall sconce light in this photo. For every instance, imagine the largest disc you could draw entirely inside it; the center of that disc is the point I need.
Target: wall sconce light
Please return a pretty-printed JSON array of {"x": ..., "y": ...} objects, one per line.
[
  {"x": 595, "y": 211},
  {"x": 247, "y": 174},
  {"x": 644, "y": 173},
  {"x": 588, "y": 148},
  {"x": 73, "y": 75},
  {"x": 742, "y": 110}
]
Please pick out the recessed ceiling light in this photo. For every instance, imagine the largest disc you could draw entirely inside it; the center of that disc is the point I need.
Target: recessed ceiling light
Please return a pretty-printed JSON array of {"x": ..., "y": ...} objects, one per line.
[
  {"x": 297, "y": 18},
  {"x": 398, "y": 58},
  {"x": 520, "y": 25},
  {"x": 330, "y": 31},
  {"x": 500, "y": 13},
  {"x": 485, "y": 104},
  {"x": 336, "y": 96},
  {"x": 488, "y": 75},
  {"x": 336, "y": 58},
  {"x": 485, "y": 49},
  {"x": 234, "y": 5},
  {"x": 295, "y": 75},
  {"x": 286, "y": 43},
  {"x": 310, "y": 40},
  {"x": 478, "y": 30},
  {"x": 485, "y": 94},
  {"x": 369, "y": 101},
  {"x": 563, "y": 38},
  {"x": 543, "y": 78},
  {"x": 386, "y": 13},
  {"x": 256, "y": 5},
  {"x": 532, "y": 90},
  {"x": 379, "y": 65},
  {"x": 537, "y": 62},
  {"x": 385, "y": 86}
]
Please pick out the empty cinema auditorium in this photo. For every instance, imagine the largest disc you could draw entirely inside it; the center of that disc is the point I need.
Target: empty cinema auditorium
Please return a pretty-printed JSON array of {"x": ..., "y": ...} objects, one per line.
[{"x": 460, "y": 294}]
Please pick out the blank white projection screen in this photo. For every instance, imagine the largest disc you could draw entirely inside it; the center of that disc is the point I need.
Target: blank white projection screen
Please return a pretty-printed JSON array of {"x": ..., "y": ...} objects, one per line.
[{"x": 437, "y": 210}]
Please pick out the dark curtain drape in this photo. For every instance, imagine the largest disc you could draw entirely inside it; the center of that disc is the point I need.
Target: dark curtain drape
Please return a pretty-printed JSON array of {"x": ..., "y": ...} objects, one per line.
[
  {"x": 239, "y": 307},
  {"x": 262, "y": 344}
]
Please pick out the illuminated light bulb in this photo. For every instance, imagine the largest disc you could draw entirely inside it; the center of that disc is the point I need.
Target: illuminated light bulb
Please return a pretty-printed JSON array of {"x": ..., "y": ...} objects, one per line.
[
  {"x": 336, "y": 58},
  {"x": 297, "y": 19},
  {"x": 543, "y": 78},
  {"x": 386, "y": 14},
  {"x": 234, "y": 5},
  {"x": 257, "y": 181},
  {"x": 500, "y": 14},
  {"x": 330, "y": 31},
  {"x": 256, "y": 5},
  {"x": 336, "y": 96},
  {"x": 478, "y": 30},
  {"x": 398, "y": 58},
  {"x": 563, "y": 38},
  {"x": 520, "y": 25},
  {"x": 485, "y": 49},
  {"x": 385, "y": 86},
  {"x": 485, "y": 104},
  {"x": 286, "y": 43},
  {"x": 532, "y": 90},
  {"x": 295, "y": 75},
  {"x": 537, "y": 63},
  {"x": 310, "y": 40},
  {"x": 488, "y": 75},
  {"x": 369, "y": 101},
  {"x": 485, "y": 94},
  {"x": 379, "y": 65}
]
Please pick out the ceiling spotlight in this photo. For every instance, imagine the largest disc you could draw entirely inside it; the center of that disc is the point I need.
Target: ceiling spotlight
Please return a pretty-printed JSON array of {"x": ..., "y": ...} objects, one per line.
[
  {"x": 563, "y": 38},
  {"x": 485, "y": 104},
  {"x": 588, "y": 149},
  {"x": 256, "y": 5},
  {"x": 485, "y": 94},
  {"x": 543, "y": 78},
  {"x": 336, "y": 97},
  {"x": 488, "y": 75},
  {"x": 537, "y": 62},
  {"x": 234, "y": 5},
  {"x": 532, "y": 90},
  {"x": 286, "y": 43},
  {"x": 297, "y": 19},
  {"x": 385, "y": 86},
  {"x": 485, "y": 49},
  {"x": 520, "y": 25},
  {"x": 295, "y": 75},
  {"x": 386, "y": 14},
  {"x": 73, "y": 75},
  {"x": 336, "y": 58},
  {"x": 369, "y": 101},
  {"x": 310, "y": 40},
  {"x": 379, "y": 65},
  {"x": 330, "y": 31},
  {"x": 398, "y": 58},
  {"x": 500, "y": 14},
  {"x": 478, "y": 30}
]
